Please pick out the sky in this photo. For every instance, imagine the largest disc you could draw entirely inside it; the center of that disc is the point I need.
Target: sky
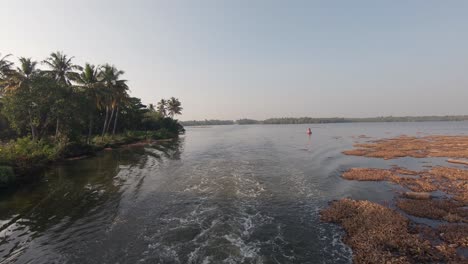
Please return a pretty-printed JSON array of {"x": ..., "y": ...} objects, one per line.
[{"x": 260, "y": 59}]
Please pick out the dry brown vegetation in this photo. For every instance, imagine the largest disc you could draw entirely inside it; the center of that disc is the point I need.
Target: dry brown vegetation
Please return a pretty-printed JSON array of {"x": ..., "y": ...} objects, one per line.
[
  {"x": 367, "y": 174},
  {"x": 447, "y": 210},
  {"x": 452, "y": 181},
  {"x": 378, "y": 234},
  {"x": 417, "y": 147},
  {"x": 456, "y": 234},
  {"x": 418, "y": 202}
]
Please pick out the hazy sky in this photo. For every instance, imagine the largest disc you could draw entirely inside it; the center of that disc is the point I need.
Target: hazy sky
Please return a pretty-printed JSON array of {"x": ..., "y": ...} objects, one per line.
[{"x": 259, "y": 59}]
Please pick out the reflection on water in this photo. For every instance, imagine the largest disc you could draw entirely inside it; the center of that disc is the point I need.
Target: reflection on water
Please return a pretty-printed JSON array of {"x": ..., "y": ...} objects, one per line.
[{"x": 234, "y": 194}]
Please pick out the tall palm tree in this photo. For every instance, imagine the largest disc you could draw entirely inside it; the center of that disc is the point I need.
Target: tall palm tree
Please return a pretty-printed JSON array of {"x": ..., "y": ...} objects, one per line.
[
  {"x": 21, "y": 80},
  {"x": 123, "y": 98},
  {"x": 117, "y": 89},
  {"x": 63, "y": 71},
  {"x": 162, "y": 107},
  {"x": 89, "y": 82},
  {"x": 174, "y": 107},
  {"x": 151, "y": 107}
]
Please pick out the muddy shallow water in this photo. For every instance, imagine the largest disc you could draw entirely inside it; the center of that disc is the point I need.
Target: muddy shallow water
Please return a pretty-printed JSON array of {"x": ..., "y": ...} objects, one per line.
[{"x": 224, "y": 194}]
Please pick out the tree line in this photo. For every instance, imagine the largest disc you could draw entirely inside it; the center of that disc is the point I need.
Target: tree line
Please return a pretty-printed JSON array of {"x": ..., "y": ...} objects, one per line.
[
  {"x": 69, "y": 102},
  {"x": 311, "y": 120},
  {"x": 211, "y": 122}
]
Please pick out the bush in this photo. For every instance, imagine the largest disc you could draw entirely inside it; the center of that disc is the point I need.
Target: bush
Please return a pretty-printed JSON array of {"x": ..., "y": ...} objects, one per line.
[
  {"x": 7, "y": 176},
  {"x": 162, "y": 133},
  {"x": 26, "y": 153},
  {"x": 75, "y": 149},
  {"x": 156, "y": 123}
]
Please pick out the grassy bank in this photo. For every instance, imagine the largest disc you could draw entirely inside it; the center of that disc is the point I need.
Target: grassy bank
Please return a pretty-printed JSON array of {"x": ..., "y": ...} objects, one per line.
[{"x": 22, "y": 159}]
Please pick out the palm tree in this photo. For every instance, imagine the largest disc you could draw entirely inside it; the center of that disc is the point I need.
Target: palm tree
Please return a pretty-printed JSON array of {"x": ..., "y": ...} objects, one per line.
[
  {"x": 117, "y": 89},
  {"x": 27, "y": 67},
  {"x": 5, "y": 69},
  {"x": 151, "y": 108},
  {"x": 63, "y": 71},
  {"x": 16, "y": 79},
  {"x": 21, "y": 80},
  {"x": 123, "y": 98},
  {"x": 89, "y": 82},
  {"x": 174, "y": 107},
  {"x": 162, "y": 107},
  {"x": 61, "y": 67},
  {"x": 27, "y": 70}
]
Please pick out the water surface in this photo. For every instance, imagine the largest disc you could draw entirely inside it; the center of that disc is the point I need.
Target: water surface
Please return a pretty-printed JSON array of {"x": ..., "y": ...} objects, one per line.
[{"x": 224, "y": 194}]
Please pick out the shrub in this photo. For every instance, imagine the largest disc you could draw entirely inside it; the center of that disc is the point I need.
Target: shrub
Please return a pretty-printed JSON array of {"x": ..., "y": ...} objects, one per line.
[
  {"x": 7, "y": 176},
  {"x": 75, "y": 149},
  {"x": 162, "y": 133},
  {"x": 26, "y": 153}
]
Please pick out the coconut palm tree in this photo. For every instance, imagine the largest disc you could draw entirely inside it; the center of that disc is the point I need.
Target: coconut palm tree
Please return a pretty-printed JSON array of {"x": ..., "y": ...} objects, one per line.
[
  {"x": 27, "y": 70},
  {"x": 5, "y": 69},
  {"x": 174, "y": 107},
  {"x": 63, "y": 71},
  {"x": 162, "y": 107},
  {"x": 16, "y": 79},
  {"x": 5, "y": 65},
  {"x": 27, "y": 67},
  {"x": 117, "y": 91},
  {"x": 122, "y": 98},
  {"x": 89, "y": 82},
  {"x": 21, "y": 81},
  {"x": 62, "y": 68}
]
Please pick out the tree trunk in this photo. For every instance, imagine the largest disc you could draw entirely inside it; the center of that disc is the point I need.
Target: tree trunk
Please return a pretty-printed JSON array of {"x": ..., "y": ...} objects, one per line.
[
  {"x": 115, "y": 121},
  {"x": 110, "y": 119},
  {"x": 90, "y": 131},
  {"x": 105, "y": 122},
  {"x": 57, "y": 128},
  {"x": 33, "y": 129}
]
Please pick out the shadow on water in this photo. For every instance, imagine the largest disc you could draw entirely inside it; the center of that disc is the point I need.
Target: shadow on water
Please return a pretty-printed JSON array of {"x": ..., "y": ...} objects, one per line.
[{"x": 73, "y": 202}]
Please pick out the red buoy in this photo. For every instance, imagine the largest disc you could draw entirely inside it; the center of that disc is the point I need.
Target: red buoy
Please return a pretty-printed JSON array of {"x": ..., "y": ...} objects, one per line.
[{"x": 309, "y": 131}]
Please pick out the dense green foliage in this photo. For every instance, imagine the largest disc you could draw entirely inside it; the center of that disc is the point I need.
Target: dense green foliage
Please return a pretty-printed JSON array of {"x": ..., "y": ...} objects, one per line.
[
  {"x": 25, "y": 152},
  {"x": 65, "y": 110},
  {"x": 207, "y": 122}
]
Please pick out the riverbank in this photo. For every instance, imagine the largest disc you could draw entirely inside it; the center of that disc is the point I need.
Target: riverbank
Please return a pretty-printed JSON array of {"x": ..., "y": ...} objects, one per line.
[
  {"x": 23, "y": 160},
  {"x": 427, "y": 222}
]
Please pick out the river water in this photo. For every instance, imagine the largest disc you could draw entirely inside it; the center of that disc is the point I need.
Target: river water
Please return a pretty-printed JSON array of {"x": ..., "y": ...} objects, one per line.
[{"x": 222, "y": 194}]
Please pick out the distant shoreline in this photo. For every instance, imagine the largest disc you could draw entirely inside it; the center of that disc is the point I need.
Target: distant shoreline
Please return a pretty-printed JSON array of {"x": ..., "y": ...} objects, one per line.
[{"x": 333, "y": 120}]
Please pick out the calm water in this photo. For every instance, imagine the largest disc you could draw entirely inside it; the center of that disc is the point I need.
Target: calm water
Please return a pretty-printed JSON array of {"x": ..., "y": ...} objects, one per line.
[{"x": 227, "y": 194}]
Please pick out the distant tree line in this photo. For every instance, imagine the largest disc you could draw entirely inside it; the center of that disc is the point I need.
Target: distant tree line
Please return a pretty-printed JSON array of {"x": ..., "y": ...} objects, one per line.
[
  {"x": 246, "y": 121},
  {"x": 206, "y": 122},
  {"x": 304, "y": 120},
  {"x": 311, "y": 120}
]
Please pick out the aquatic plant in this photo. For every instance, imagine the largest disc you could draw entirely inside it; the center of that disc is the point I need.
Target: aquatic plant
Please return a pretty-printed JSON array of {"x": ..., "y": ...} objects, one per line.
[{"x": 378, "y": 234}]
